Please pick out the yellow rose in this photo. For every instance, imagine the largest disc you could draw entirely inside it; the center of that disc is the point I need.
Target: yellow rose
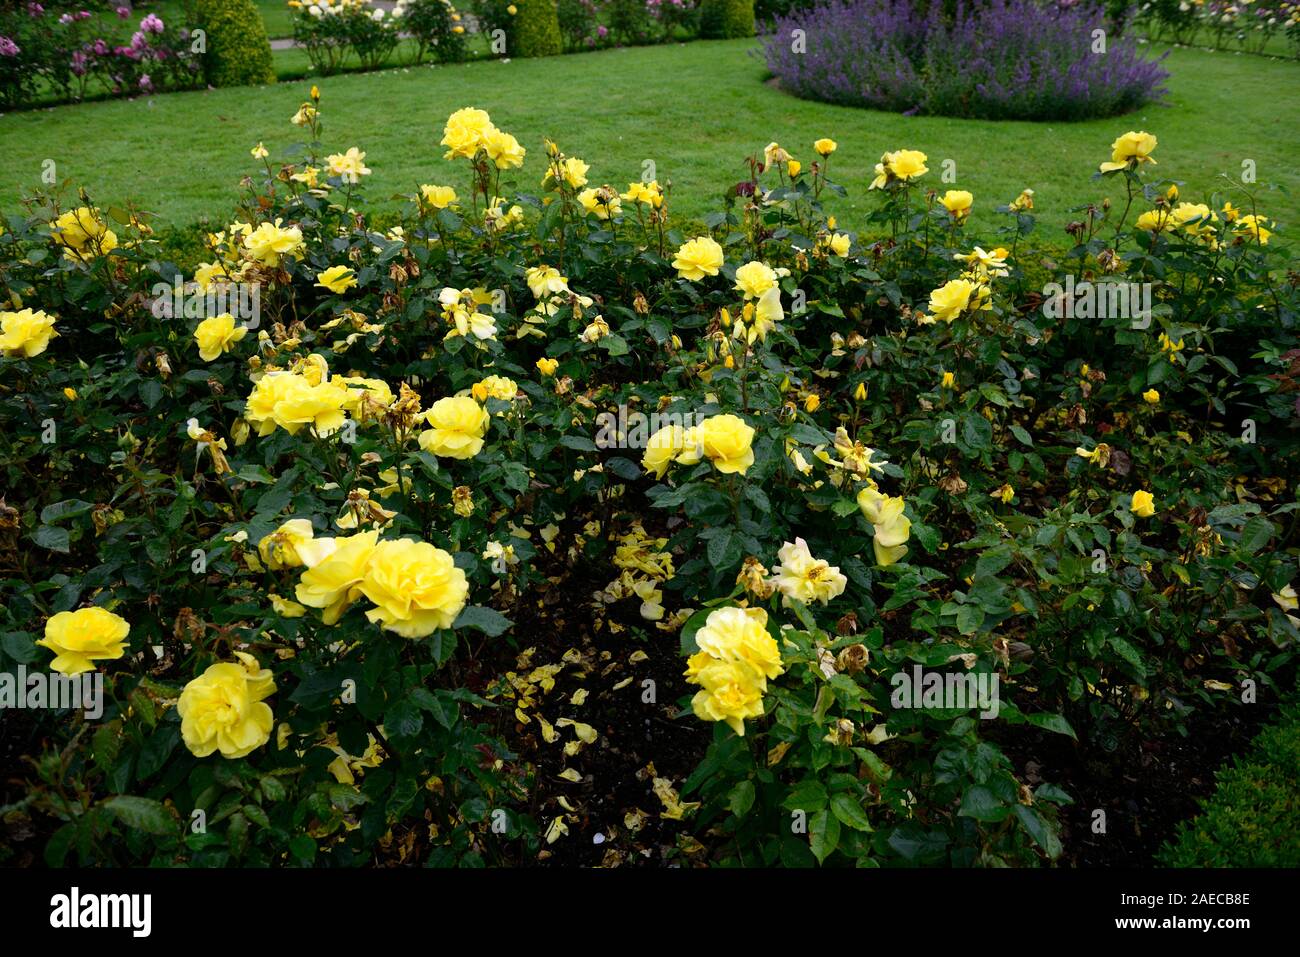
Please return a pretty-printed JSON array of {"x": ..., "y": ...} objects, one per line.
[
  {"x": 457, "y": 426},
  {"x": 303, "y": 404},
  {"x": 547, "y": 366},
  {"x": 1253, "y": 226},
  {"x": 349, "y": 166},
  {"x": 1143, "y": 504},
  {"x": 839, "y": 243},
  {"x": 958, "y": 203},
  {"x": 286, "y": 608},
  {"x": 603, "y": 202},
  {"x": 726, "y": 440},
  {"x": 416, "y": 588},
  {"x": 1134, "y": 148},
  {"x": 26, "y": 333},
  {"x": 293, "y": 544},
  {"x": 465, "y": 132},
  {"x": 496, "y": 387},
  {"x": 650, "y": 194},
  {"x": 698, "y": 258},
  {"x": 825, "y": 147},
  {"x": 740, "y": 634},
  {"x": 891, "y": 527},
  {"x": 954, "y": 297},
  {"x": 1151, "y": 396},
  {"x": 755, "y": 278},
  {"x": 334, "y": 581},
  {"x": 438, "y": 197},
  {"x": 363, "y": 394},
  {"x": 1153, "y": 220},
  {"x": 800, "y": 577},
  {"x": 949, "y": 381},
  {"x": 793, "y": 167},
  {"x": 270, "y": 243},
  {"x": 662, "y": 449},
  {"x": 337, "y": 279},
  {"x": 503, "y": 149},
  {"x": 906, "y": 164},
  {"x": 572, "y": 170},
  {"x": 80, "y": 638},
  {"x": 1195, "y": 218},
  {"x": 732, "y": 691},
  {"x": 83, "y": 231},
  {"x": 217, "y": 335},
  {"x": 222, "y": 709}
]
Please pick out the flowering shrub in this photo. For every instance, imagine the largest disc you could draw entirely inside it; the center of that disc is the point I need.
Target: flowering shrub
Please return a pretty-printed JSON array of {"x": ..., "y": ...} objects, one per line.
[
  {"x": 358, "y": 567},
  {"x": 436, "y": 26},
  {"x": 331, "y": 30},
  {"x": 48, "y": 55},
  {"x": 1222, "y": 25},
  {"x": 1001, "y": 59}
]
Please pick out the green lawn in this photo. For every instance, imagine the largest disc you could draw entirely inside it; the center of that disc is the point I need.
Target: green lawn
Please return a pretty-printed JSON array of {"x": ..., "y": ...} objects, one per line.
[{"x": 696, "y": 110}]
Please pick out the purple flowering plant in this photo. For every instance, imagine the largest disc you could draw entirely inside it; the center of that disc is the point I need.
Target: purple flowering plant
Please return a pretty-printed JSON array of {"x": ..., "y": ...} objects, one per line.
[{"x": 996, "y": 59}]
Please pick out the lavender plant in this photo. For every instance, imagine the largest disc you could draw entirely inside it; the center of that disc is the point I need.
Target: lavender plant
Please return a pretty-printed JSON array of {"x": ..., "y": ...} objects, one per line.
[{"x": 1000, "y": 59}]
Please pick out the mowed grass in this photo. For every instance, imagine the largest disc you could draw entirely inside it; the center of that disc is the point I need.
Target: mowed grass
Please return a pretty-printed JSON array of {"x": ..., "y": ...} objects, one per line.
[{"x": 695, "y": 110}]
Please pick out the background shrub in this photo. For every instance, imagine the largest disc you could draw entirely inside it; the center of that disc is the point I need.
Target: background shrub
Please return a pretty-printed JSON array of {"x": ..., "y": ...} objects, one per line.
[
  {"x": 536, "y": 29},
  {"x": 726, "y": 19},
  {"x": 1253, "y": 817},
  {"x": 434, "y": 24},
  {"x": 579, "y": 24},
  {"x": 1002, "y": 59},
  {"x": 238, "y": 52}
]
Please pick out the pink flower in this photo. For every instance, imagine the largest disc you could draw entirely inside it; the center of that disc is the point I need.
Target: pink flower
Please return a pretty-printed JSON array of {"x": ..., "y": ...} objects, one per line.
[
  {"x": 146, "y": 83},
  {"x": 8, "y": 47},
  {"x": 152, "y": 24},
  {"x": 123, "y": 12}
]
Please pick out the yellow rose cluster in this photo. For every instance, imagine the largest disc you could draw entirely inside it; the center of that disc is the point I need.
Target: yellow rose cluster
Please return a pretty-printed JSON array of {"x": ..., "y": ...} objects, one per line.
[
  {"x": 83, "y": 234},
  {"x": 415, "y": 587},
  {"x": 737, "y": 658},
  {"x": 469, "y": 131},
  {"x": 308, "y": 396},
  {"x": 725, "y": 440}
]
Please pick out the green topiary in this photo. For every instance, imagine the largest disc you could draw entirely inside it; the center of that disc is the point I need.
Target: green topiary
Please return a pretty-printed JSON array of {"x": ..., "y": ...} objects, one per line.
[
  {"x": 1253, "y": 817},
  {"x": 536, "y": 29},
  {"x": 237, "y": 50},
  {"x": 726, "y": 19}
]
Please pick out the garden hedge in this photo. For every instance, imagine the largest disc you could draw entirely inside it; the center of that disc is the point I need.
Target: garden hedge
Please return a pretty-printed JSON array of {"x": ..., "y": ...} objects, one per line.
[
  {"x": 726, "y": 19},
  {"x": 238, "y": 51},
  {"x": 1253, "y": 817},
  {"x": 536, "y": 29}
]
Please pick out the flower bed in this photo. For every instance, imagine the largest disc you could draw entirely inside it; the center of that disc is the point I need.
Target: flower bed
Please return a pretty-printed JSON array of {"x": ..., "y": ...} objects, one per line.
[
  {"x": 64, "y": 54},
  {"x": 382, "y": 542},
  {"x": 1002, "y": 59}
]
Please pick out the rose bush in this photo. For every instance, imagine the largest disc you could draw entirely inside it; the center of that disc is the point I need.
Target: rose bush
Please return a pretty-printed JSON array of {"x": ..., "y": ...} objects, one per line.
[{"x": 296, "y": 543}]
